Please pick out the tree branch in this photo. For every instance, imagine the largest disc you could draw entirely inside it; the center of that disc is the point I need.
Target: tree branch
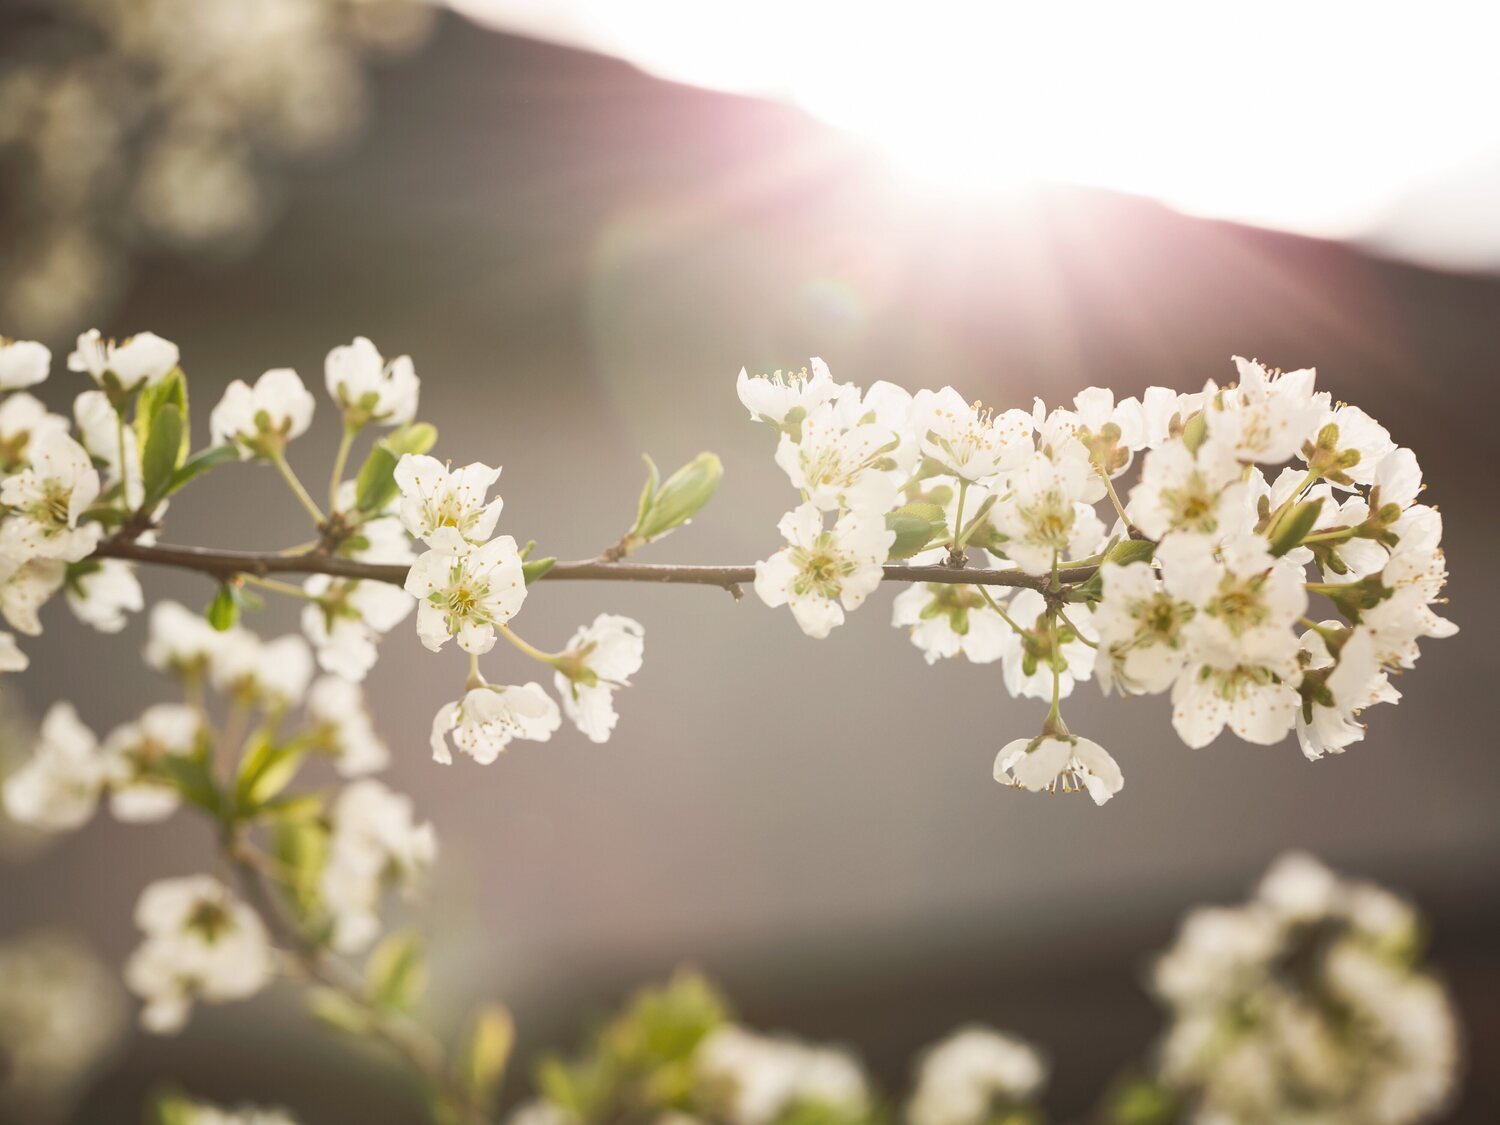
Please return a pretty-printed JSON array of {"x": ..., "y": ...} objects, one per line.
[{"x": 225, "y": 565}]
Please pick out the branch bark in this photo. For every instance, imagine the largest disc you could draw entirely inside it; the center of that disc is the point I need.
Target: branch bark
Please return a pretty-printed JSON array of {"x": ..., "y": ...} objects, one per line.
[{"x": 226, "y": 565}]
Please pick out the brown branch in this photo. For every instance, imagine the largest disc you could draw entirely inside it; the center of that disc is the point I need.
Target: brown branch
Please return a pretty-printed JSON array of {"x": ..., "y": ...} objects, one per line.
[{"x": 225, "y": 565}]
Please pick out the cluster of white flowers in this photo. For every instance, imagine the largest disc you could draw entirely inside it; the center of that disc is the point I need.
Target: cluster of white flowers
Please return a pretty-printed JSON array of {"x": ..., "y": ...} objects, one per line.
[
  {"x": 1199, "y": 582},
  {"x": 976, "y": 1075},
  {"x": 754, "y": 1079},
  {"x": 374, "y": 840},
  {"x": 1306, "y": 1004},
  {"x": 201, "y": 943}
]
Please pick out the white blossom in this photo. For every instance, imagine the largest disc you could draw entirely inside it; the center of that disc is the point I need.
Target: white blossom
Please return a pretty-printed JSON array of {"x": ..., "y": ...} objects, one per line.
[
  {"x": 275, "y": 672},
  {"x": 179, "y": 641},
  {"x": 47, "y": 500},
  {"x": 1027, "y": 660},
  {"x": 133, "y": 754},
  {"x": 102, "y": 593},
  {"x": 970, "y": 441},
  {"x": 370, "y": 389},
  {"x": 337, "y": 707},
  {"x": 58, "y": 786},
  {"x": 259, "y": 420},
  {"x": 1266, "y": 417},
  {"x": 144, "y": 358},
  {"x": 1202, "y": 493},
  {"x": 485, "y": 721},
  {"x": 973, "y": 1072},
  {"x": 1044, "y": 519},
  {"x": 466, "y": 592},
  {"x": 821, "y": 573},
  {"x": 375, "y": 840},
  {"x": 842, "y": 459},
  {"x": 946, "y": 619},
  {"x": 200, "y": 943},
  {"x": 1361, "y": 434},
  {"x": 1056, "y": 762},
  {"x": 599, "y": 660},
  {"x": 23, "y": 363},
  {"x": 758, "y": 1078},
  {"x": 345, "y": 618},
  {"x": 1326, "y": 719},
  {"x": 26, "y": 588},
  {"x": 779, "y": 398},
  {"x": 1143, "y": 643},
  {"x": 24, "y": 420},
  {"x": 1414, "y": 576},
  {"x": 442, "y": 506}
]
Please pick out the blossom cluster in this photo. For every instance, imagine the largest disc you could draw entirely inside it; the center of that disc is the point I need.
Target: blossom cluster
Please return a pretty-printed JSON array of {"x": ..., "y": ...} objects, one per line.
[
  {"x": 675, "y": 1053},
  {"x": 201, "y": 940},
  {"x": 1250, "y": 501},
  {"x": 1305, "y": 1004}
]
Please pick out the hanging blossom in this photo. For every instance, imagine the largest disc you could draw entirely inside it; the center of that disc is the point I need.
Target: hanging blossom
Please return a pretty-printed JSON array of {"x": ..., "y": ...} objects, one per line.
[
  {"x": 201, "y": 943},
  {"x": 489, "y": 717},
  {"x": 23, "y": 363},
  {"x": 599, "y": 660},
  {"x": 143, "y": 359},
  {"x": 341, "y": 726},
  {"x": 1195, "y": 580}
]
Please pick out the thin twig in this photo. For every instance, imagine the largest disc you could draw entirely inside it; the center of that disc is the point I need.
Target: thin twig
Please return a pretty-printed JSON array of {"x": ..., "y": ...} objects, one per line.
[{"x": 227, "y": 564}]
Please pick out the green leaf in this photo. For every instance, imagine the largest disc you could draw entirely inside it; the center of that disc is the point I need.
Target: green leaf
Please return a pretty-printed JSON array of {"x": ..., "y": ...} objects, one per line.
[
  {"x": 1128, "y": 551},
  {"x": 170, "y": 391},
  {"x": 648, "y": 493},
  {"x": 418, "y": 437},
  {"x": 376, "y": 486},
  {"x": 1195, "y": 432},
  {"x": 301, "y": 848},
  {"x": 224, "y": 611},
  {"x": 534, "y": 569},
  {"x": 1295, "y": 525},
  {"x": 335, "y": 1010},
  {"x": 265, "y": 770},
  {"x": 487, "y": 1051},
  {"x": 161, "y": 455},
  {"x": 190, "y": 775},
  {"x": 168, "y": 1107},
  {"x": 680, "y": 497},
  {"x": 916, "y": 525},
  {"x": 396, "y": 972},
  {"x": 200, "y": 463}
]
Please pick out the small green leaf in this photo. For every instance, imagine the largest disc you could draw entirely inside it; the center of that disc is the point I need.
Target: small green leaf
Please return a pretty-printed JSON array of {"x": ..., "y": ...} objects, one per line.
[
  {"x": 396, "y": 972},
  {"x": 266, "y": 769},
  {"x": 1195, "y": 432},
  {"x": 1128, "y": 551},
  {"x": 161, "y": 455},
  {"x": 337, "y": 1011},
  {"x": 1295, "y": 525},
  {"x": 301, "y": 847},
  {"x": 170, "y": 391},
  {"x": 648, "y": 492},
  {"x": 535, "y": 568},
  {"x": 418, "y": 437},
  {"x": 224, "y": 611},
  {"x": 191, "y": 776},
  {"x": 376, "y": 486},
  {"x": 678, "y": 499},
  {"x": 487, "y": 1051},
  {"x": 200, "y": 463},
  {"x": 916, "y": 525},
  {"x": 168, "y": 1107}
]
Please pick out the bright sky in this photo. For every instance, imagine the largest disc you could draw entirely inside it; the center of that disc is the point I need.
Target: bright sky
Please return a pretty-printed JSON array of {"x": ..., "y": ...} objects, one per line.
[{"x": 1369, "y": 121}]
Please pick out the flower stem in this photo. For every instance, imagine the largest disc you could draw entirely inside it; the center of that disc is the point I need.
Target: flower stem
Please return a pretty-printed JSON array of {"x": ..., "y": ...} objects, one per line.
[
  {"x": 998, "y": 608},
  {"x": 340, "y": 459},
  {"x": 278, "y": 586},
  {"x": 308, "y": 503},
  {"x": 548, "y": 658}
]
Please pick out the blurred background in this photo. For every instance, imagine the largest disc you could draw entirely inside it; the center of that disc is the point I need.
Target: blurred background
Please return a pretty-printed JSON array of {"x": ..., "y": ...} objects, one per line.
[{"x": 581, "y": 224}]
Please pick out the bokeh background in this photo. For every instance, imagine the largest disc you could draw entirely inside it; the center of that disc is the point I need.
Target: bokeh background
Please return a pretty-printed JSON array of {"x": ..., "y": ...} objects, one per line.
[{"x": 580, "y": 257}]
